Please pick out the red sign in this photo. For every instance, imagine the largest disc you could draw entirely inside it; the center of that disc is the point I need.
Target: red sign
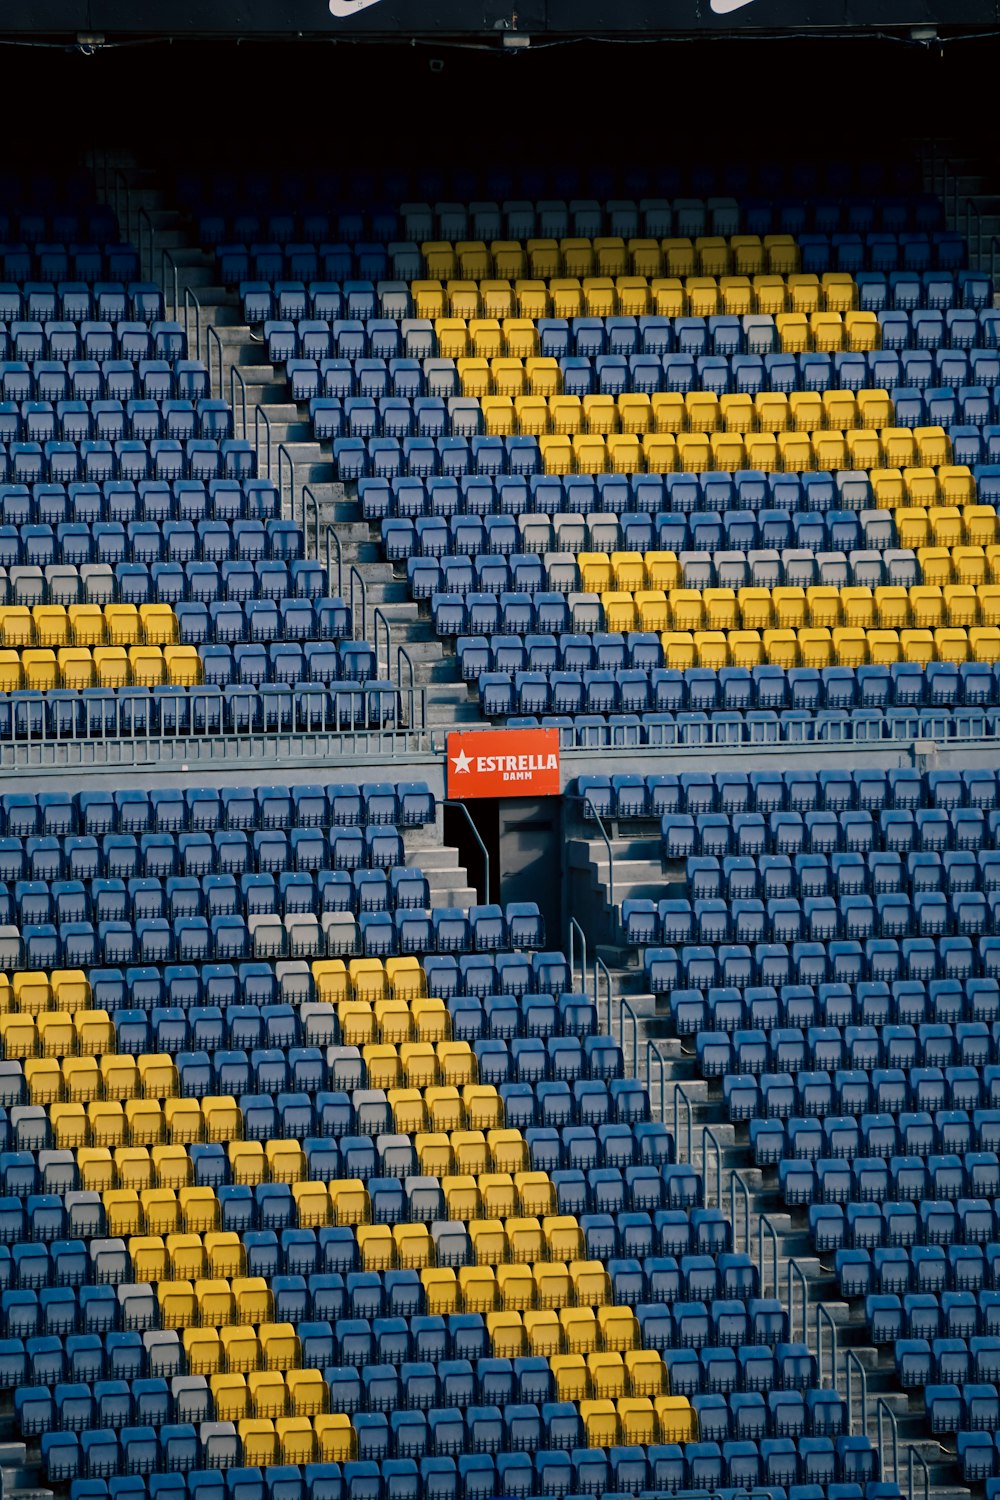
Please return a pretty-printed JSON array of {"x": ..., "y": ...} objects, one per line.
[{"x": 503, "y": 763}]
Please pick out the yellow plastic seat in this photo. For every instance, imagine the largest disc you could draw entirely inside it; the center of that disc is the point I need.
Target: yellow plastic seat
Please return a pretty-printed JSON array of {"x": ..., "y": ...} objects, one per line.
[
  {"x": 376, "y": 1246},
  {"x": 864, "y": 451},
  {"x": 413, "y": 1246},
  {"x": 875, "y": 409},
  {"x": 17, "y": 627},
  {"x": 646, "y": 1372},
  {"x": 850, "y": 646},
  {"x": 857, "y": 605},
  {"x": 556, "y": 451},
  {"x": 637, "y": 1419},
  {"x": 861, "y": 331},
  {"x": 477, "y": 1289},
  {"x": 951, "y": 645},
  {"x": 789, "y": 605},
  {"x": 961, "y": 606},
  {"x": 898, "y": 447},
  {"x": 984, "y": 643},
  {"x": 793, "y": 332},
  {"x": 515, "y": 1288},
  {"x": 610, "y": 255},
  {"x": 607, "y": 1376},
  {"x": 804, "y": 292},
  {"x": 487, "y": 1238},
  {"x": 737, "y": 295},
  {"x": 259, "y": 1442},
  {"x": 980, "y": 525},
  {"x": 336, "y": 1440},
  {"x": 677, "y": 1420},
  {"x": 634, "y": 295},
  {"x": 829, "y": 450},
  {"x": 839, "y": 293},
  {"x": 600, "y": 1422},
  {"x": 686, "y": 609},
  {"x": 296, "y": 1439},
  {"x": 815, "y": 647},
  {"x": 578, "y": 1330},
  {"x": 350, "y": 1203},
  {"x": 553, "y": 1284},
  {"x": 51, "y": 625},
  {"x": 770, "y": 294},
  {"x": 827, "y": 330},
  {"x": 794, "y": 450},
  {"x": 203, "y": 1351},
  {"x": 440, "y": 1290},
  {"x": 571, "y": 1376},
  {"x": 781, "y": 648},
  {"x": 694, "y": 453},
  {"x": 969, "y": 564},
  {"x": 736, "y": 412},
  {"x": 679, "y": 256},
  {"x": 917, "y": 645},
  {"x": 591, "y": 1283},
  {"x": 748, "y": 254},
  {"x": 746, "y": 648},
  {"x": 883, "y": 647},
  {"x": 926, "y": 606}
]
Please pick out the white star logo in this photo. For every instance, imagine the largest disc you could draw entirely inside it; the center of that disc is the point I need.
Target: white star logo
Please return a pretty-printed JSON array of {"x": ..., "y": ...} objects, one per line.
[{"x": 461, "y": 762}]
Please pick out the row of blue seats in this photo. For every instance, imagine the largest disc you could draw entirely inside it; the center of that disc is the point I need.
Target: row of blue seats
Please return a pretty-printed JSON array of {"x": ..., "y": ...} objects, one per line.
[
  {"x": 205, "y": 809},
  {"x": 624, "y": 496},
  {"x": 896, "y": 829},
  {"x": 126, "y": 856},
  {"x": 115, "y": 379},
  {"x": 868, "y": 789},
  {"x": 930, "y": 1227},
  {"x": 304, "y": 296},
  {"x": 95, "y": 460},
  {"x": 74, "y": 280},
  {"x": 812, "y": 919},
  {"x": 123, "y": 501},
  {"x": 432, "y": 1479},
  {"x": 921, "y": 1315},
  {"x": 873, "y": 1180},
  {"x": 854, "y": 1091},
  {"x": 823, "y": 711},
  {"x": 923, "y": 1362},
  {"x": 873, "y": 1135},
  {"x": 144, "y": 1451},
  {"x": 75, "y": 421},
  {"x": 879, "y": 960},
  {"x": 287, "y": 663},
  {"x": 905, "y": 1002},
  {"x": 33, "y": 902},
  {"x": 81, "y": 335},
  {"x": 922, "y": 1052},
  {"x": 734, "y": 689},
  {"x": 107, "y": 713},
  {"x": 420, "y": 376},
  {"x": 147, "y": 542},
  {"x": 570, "y": 200},
  {"x": 875, "y": 874},
  {"x": 299, "y": 587}
]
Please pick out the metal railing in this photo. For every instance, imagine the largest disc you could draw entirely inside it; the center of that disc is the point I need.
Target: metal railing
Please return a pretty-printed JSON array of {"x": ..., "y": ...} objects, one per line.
[
  {"x": 192, "y": 305},
  {"x": 214, "y": 339},
  {"x": 358, "y": 592},
  {"x": 144, "y": 241},
  {"x": 285, "y": 458},
  {"x": 710, "y": 1139},
  {"x": 260, "y": 415},
  {"x": 738, "y": 1182},
  {"x": 236, "y": 378},
  {"x": 166, "y": 259},
  {"x": 852, "y": 1365},
  {"x": 463, "y": 809},
  {"x": 601, "y": 968},
  {"x": 574, "y": 929}
]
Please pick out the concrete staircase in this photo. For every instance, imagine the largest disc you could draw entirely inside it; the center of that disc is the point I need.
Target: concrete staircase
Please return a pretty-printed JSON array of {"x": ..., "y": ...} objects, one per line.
[{"x": 236, "y": 353}]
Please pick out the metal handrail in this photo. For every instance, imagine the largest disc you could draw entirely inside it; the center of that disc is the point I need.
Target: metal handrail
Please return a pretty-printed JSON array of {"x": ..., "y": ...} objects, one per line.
[
  {"x": 260, "y": 414},
  {"x": 709, "y": 1138},
  {"x": 994, "y": 247},
  {"x": 143, "y": 218},
  {"x": 379, "y": 619},
  {"x": 600, "y": 967},
  {"x": 166, "y": 259},
  {"x": 824, "y": 1320},
  {"x": 913, "y": 1452},
  {"x": 356, "y": 577},
  {"x": 402, "y": 655},
  {"x": 575, "y": 927},
  {"x": 234, "y": 377},
  {"x": 653, "y": 1054},
  {"x": 766, "y": 1227},
  {"x": 191, "y": 300},
  {"x": 681, "y": 1096},
  {"x": 285, "y": 456},
  {"x": 627, "y": 1013},
  {"x": 796, "y": 1278},
  {"x": 212, "y": 336},
  {"x": 589, "y": 802},
  {"x": 737, "y": 1180},
  {"x": 479, "y": 840},
  {"x": 882, "y": 1407},
  {"x": 852, "y": 1362},
  {"x": 333, "y": 545}
]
